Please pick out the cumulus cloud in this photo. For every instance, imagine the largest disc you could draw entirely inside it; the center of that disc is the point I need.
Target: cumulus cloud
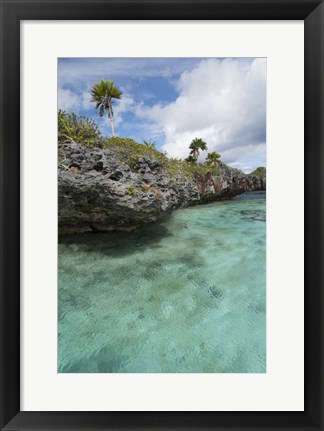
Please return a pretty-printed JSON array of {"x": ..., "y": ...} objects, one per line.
[
  {"x": 70, "y": 101},
  {"x": 222, "y": 101},
  {"x": 125, "y": 104},
  {"x": 67, "y": 100}
]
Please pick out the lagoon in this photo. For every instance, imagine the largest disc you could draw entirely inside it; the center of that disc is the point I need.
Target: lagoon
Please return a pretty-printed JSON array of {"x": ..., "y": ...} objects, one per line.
[{"x": 186, "y": 294}]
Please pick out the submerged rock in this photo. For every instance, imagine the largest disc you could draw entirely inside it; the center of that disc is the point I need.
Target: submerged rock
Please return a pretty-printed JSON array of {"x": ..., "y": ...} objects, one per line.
[{"x": 97, "y": 192}]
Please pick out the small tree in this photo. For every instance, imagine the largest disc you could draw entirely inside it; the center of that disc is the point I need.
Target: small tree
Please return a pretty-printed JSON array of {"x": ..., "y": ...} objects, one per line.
[
  {"x": 103, "y": 94},
  {"x": 213, "y": 158},
  {"x": 190, "y": 159},
  {"x": 195, "y": 146}
]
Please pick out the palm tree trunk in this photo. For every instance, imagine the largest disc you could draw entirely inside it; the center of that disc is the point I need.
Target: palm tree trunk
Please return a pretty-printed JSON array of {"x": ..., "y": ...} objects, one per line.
[{"x": 110, "y": 115}]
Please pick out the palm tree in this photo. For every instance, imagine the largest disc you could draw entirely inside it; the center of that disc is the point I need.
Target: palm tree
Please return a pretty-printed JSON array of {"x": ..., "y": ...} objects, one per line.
[
  {"x": 213, "y": 158},
  {"x": 195, "y": 146},
  {"x": 102, "y": 94}
]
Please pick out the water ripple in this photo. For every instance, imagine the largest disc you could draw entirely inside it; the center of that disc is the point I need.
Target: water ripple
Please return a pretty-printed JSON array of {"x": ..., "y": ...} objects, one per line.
[{"x": 186, "y": 294}]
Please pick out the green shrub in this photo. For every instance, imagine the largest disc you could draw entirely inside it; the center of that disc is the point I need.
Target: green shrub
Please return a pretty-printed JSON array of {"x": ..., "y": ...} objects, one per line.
[
  {"x": 85, "y": 132},
  {"x": 77, "y": 128},
  {"x": 130, "y": 151},
  {"x": 190, "y": 159},
  {"x": 132, "y": 190},
  {"x": 150, "y": 144},
  {"x": 259, "y": 172}
]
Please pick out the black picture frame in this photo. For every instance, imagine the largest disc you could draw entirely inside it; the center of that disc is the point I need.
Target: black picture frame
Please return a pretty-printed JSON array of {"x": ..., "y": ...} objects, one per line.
[{"x": 12, "y": 12}]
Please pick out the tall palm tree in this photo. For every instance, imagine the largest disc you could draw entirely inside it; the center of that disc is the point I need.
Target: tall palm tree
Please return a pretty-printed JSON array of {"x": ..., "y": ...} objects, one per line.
[
  {"x": 103, "y": 94},
  {"x": 213, "y": 158},
  {"x": 195, "y": 146}
]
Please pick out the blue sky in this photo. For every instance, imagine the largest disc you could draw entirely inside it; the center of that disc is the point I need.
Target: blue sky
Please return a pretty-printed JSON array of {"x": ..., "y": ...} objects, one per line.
[{"x": 172, "y": 100}]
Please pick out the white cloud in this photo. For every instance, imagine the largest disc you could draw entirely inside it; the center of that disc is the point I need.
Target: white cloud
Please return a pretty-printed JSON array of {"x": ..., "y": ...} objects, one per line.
[
  {"x": 73, "y": 102},
  {"x": 247, "y": 158},
  {"x": 125, "y": 104},
  {"x": 86, "y": 100},
  {"x": 67, "y": 100},
  {"x": 222, "y": 102}
]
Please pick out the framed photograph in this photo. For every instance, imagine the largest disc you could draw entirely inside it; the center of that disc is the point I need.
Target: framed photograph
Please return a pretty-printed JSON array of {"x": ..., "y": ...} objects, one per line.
[{"x": 161, "y": 215}]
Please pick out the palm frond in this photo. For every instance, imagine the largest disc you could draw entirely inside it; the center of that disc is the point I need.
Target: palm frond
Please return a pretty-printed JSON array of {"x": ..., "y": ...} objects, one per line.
[
  {"x": 198, "y": 143},
  {"x": 104, "y": 91},
  {"x": 213, "y": 156}
]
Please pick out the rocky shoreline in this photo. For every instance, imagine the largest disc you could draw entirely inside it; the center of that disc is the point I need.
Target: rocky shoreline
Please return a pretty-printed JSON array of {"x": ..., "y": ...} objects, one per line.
[{"x": 98, "y": 192}]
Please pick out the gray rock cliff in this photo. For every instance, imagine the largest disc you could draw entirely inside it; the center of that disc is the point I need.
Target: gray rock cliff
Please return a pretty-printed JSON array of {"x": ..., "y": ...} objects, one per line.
[{"x": 96, "y": 191}]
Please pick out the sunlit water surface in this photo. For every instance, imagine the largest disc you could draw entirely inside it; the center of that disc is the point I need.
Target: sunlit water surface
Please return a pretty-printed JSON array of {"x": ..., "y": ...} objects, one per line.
[{"x": 187, "y": 294}]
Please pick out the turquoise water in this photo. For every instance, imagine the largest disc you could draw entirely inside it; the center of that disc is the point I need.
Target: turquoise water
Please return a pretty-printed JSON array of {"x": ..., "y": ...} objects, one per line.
[{"x": 186, "y": 294}]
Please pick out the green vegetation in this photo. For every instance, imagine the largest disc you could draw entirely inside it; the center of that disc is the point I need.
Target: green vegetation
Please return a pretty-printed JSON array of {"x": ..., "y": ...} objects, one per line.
[
  {"x": 150, "y": 143},
  {"x": 213, "y": 158},
  {"x": 85, "y": 132},
  {"x": 77, "y": 128},
  {"x": 132, "y": 190},
  {"x": 259, "y": 172},
  {"x": 103, "y": 94},
  {"x": 190, "y": 159},
  {"x": 131, "y": 152},
  {"x": 195, "y": 146}
]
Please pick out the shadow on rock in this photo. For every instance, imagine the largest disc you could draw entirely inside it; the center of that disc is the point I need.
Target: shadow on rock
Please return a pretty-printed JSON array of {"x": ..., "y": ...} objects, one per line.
[{"x": 118, "y": 244}]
